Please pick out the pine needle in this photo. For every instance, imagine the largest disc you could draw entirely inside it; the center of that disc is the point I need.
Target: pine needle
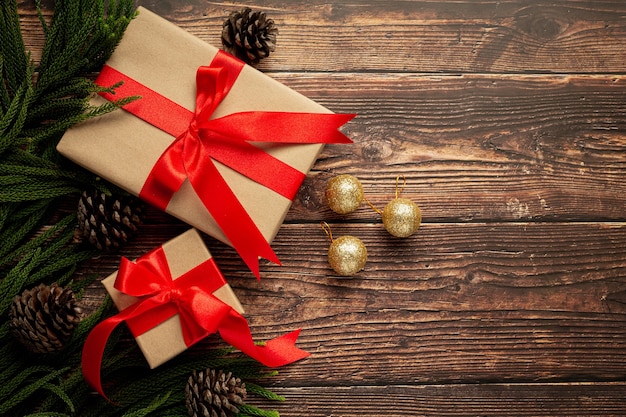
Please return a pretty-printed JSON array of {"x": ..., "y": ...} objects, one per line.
[
  {"x": 246, "y": 410},
  {"x": 263, "y": 392},
  {"x": 38, "y": 103},
  {"x": 22, "y": 386}
]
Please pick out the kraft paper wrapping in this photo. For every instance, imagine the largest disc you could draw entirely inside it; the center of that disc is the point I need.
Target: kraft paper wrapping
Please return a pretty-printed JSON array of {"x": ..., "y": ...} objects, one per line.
[
  {"x": 123, "y": 149},
  {"x": 165, "y": 341}
]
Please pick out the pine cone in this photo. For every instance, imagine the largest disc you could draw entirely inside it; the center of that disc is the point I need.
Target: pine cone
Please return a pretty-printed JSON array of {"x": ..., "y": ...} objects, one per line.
[
  {"x": 248, "y": 35},
  {"x": 212, "y": 393},
  {"x": 43, "y": 318},
  {"x": 108, "y": 222}
]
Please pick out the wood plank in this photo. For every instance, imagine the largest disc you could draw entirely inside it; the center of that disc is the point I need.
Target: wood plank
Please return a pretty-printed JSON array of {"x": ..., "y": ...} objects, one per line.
[
  {"x": 476, "y": 147},
  {"x": 497, "y": 400},
  {"x": 435, "y": 36},
  {"x": 532, "y": 147},
  {"x": 450, "y": 260},
  {"x": 456, "y": 303},
  {"x": 427, "y": 36},
  {"x": 402, "y": 347}
]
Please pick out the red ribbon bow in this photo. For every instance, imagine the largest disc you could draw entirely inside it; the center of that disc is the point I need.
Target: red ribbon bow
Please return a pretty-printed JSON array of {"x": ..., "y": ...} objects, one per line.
[
  {"x": 191, "y": 297},
  {"x": 200, "y": 140}
]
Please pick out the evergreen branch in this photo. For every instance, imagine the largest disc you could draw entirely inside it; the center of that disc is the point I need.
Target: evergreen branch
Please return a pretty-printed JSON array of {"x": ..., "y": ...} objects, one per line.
[
  {"x": 78, "y": 286},
  {"x": 75, "y": 388},
  {"x": 36, "y": 191},
  {"x": 88, "y": 45},
  {"x": 67, "y": 258},
  {"x": 55, "y": 257},
  {"x": 33, "y": 117},
  {"x": 9, "y": 372},
  {"x": 24, "y": 157},
  {"x": 12, "y": 49},
  {"x": 5, "y": 211},
  {"x": 74, "y": 384},
  {"x": 14, "y": 280},
  {"x": 263, "y": 392},
  {"x": 10, "y": 361},
  {"x": 5, "y": 95},
  {"x": 14, "y": 181},
  {"x": 29, "y": 96},
  {"x": 13, "y": 108},
  {"x": 56, "y": 390},
  {"x": 158, "y": 402},
  {"x": 21, "y": 170},
  {"x": 247, "y": 410},
  {"x": 64, "y": 276},
  {"x": 25, "y": 163},
  {"x": 177, "y": 411},
  {"x": 39, "y": 259},
  {"x": 86, "y": 324},
  {"x": 13, "y": 119},
  {"x": 18, "y": 230},
  {"x": 20, "y": 393},
  {"x": 5, "y": 349},
  {"x": 75, "y": 87},
  {"x": 9, "y": 388},
  {"x": 27, "y": 210},
  {"x": 42, "y": 19},
  {"x": 55, "y": 130},
  {"x": 52, "y": 108}
]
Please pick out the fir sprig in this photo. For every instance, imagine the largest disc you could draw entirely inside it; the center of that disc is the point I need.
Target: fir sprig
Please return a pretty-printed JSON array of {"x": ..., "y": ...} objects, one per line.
[
  {"x": 14, "y": 59},
  {"x": 38, "y": 103}
]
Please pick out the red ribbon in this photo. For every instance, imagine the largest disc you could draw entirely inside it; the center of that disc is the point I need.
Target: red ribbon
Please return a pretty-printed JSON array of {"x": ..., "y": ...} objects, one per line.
[
  {"x": 191, "y": 297},
  {"x": 200, "y": 140}
]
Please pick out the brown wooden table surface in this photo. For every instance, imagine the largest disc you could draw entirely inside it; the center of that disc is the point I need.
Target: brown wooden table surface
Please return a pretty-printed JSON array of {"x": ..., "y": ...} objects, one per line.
[{"x": 508, "y": 120}]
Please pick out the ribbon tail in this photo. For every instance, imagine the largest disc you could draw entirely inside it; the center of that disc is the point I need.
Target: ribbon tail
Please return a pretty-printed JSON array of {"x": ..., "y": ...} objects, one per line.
[
  {"x": 276, "y": 352},
  {"x": 283, "y": 349},
  {"x": 93, "y": 351},
  {"x": 230, "y": 215},
  {"x": 282, "y": 127}
]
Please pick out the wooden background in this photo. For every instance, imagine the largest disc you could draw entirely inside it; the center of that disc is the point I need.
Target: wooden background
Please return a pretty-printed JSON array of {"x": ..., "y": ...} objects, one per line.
[{"x": 508, "y": 120}]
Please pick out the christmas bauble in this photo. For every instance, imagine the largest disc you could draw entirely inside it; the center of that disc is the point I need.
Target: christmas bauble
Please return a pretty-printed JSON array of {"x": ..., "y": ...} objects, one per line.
[
  {"x": 344, "y": 193},
  {"x": 347, "y": 255},
  {"x": 401, "y": 217}
]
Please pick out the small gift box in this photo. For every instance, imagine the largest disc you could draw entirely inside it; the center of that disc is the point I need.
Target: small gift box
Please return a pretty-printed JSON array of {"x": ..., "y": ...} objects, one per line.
[
  {"x": 211, "y": 140},
  {"x": 186, "y": 252},
  {"x": 173, "y": 297}
]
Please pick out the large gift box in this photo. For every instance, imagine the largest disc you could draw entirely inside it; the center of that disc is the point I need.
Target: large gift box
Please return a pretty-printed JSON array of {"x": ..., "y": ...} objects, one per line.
[
  {"x": 239, "y": 170},
  {"x": 173, "y": 297}
]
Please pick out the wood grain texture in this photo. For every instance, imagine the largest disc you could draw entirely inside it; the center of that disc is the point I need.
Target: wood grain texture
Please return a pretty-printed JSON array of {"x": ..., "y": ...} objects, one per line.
[
  {"x": 432, "y": 36},
  {"x": 453, "y": 400},
  {"x": 526, "y": 147},
  {"x": 427, "y": 36},
  {"x": 534, "y": 301},
  {"x": 508, "y": 121}
]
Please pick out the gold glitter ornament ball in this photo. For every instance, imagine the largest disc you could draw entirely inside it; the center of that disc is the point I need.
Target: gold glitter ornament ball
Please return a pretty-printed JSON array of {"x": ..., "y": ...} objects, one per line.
[
  {"x": 347, "y": 255},
  {"x": 344, "y": 193},
  {"x": 401, "y": 217}
]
